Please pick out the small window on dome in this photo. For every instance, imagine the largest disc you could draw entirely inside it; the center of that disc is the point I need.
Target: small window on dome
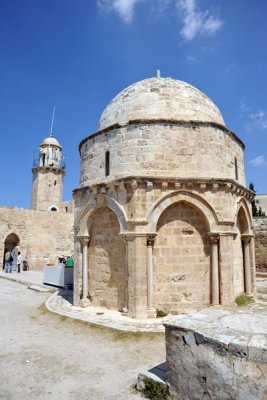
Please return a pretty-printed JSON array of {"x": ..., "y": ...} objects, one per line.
[
  {"x": 107, "y": 163},
  {"x": 53, "y": 208}
]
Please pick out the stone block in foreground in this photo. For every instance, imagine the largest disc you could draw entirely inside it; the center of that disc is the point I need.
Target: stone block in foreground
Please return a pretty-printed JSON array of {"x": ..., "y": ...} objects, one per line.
[{"x": 218, "y": 354}]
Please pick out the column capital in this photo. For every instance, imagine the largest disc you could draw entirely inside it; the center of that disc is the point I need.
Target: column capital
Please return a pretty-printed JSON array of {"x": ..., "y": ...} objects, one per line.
[
  {"x": 85, "y": 239},
  {"x": 132, "y": 235},
  {"x": 151, "y": 238},
  {"x": 246, "y": 238},
  {"x": 213, "y": 237}
]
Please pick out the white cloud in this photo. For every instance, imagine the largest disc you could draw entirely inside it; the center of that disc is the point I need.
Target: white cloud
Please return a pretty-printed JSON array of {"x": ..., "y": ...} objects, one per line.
[
  {"x": 163, "y": 4},
  {"x": 230, "y": 68},
  {"x": 259, "y": 118},
  {"x": 196, "y": 22},
  {"x": 125, "y": 8},
  {"x": 258, "y": 161},
  {"x": 256, "y": 119},
  {"x": 191, "y": 58}
]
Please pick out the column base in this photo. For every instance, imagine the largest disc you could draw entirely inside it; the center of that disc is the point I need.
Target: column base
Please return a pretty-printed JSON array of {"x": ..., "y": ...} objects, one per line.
[
  {"x": 125, "y": 312},
  {"x": 151, "y": 312},
  {"x": 84, "y": 303}
]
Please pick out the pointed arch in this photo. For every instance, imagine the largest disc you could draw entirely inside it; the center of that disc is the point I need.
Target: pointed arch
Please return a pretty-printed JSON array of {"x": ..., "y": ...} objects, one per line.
[
  {"x": 242, "y": 205},
  {"x": 12, "y": 237},
  {"x": 93, "y": 204},
  {"x": 176, "y": 197}
]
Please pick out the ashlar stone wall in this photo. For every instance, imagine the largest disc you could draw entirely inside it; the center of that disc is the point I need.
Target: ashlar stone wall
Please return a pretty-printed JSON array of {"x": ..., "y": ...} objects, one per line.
[
  {"x": 162, "y": 149},
  {"x": 260, "y": 232},
  {"x": 106, "y": 260},
  {"x": 47, "y": 186},
  {"x": 182, "y": 269},
  {"x": 43, "y": 235}
]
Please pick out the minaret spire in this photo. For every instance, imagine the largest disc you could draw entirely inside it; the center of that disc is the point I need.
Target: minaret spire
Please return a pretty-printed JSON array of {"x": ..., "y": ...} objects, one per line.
[{"x": 52, "y": 124}]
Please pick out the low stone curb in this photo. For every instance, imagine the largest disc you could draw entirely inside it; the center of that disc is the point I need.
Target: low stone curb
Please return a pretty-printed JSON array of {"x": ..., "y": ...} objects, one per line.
[
  {"x": 103, "y": 317},
  {"x": 27, "y": 283}
]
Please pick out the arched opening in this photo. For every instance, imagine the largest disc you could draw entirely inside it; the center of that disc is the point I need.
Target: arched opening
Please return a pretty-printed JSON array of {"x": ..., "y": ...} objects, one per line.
[
  {"x": 53, "y": 208},
  {"x": 11, "y": 244},
  {"x": 238, "y": 267},
  {"x": 107, "y": 257},
  {"x": 181, "y": 259}
]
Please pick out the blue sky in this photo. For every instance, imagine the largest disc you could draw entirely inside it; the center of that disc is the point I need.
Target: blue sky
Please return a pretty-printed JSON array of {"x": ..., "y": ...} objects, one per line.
[{"x": 77, "y": 55}]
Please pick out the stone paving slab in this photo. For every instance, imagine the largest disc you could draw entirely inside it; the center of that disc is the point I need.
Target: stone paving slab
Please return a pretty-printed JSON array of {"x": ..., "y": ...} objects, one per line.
[
  {"x": 27, "y": 278},
  {"x": 39, "y": 288}
]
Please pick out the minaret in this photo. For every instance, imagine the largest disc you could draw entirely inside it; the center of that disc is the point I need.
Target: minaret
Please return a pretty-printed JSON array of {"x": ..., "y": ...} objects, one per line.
[{"x": 48, "y": 171}]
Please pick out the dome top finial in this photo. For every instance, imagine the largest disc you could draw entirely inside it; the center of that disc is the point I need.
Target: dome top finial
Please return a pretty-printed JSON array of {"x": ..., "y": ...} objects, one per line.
[{"x": 158, "y": 73}]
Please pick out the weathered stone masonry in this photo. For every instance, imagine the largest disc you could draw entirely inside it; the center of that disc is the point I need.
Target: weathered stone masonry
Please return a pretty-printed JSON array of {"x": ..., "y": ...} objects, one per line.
[
  {"x": 260, "y": 231},
  {"x": 175, "y": 184}
]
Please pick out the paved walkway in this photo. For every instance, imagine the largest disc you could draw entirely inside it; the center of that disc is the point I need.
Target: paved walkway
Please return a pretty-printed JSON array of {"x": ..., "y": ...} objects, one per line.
[
  {"x": 61, "y": 303},
  {"x": 28, "y": 278}
]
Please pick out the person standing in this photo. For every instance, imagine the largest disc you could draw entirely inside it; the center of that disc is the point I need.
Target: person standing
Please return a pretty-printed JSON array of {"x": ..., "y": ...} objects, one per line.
[
  {"x": 8, "y": 261},
  {"x": 69, "y": 262},
  {"x": 18, "y": 262}
]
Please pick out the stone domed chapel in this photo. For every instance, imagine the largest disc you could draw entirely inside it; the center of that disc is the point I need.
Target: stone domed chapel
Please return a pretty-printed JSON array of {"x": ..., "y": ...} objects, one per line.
[{"x": 162, "y": 214}]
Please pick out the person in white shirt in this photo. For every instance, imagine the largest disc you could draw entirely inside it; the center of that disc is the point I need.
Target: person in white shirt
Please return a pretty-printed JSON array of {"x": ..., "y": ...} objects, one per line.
[{"x": 19, "y": 261}]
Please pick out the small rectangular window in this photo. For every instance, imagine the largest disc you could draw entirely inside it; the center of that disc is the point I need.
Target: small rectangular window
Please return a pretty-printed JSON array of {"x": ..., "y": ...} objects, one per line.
[{"x": 107, "y": 162}]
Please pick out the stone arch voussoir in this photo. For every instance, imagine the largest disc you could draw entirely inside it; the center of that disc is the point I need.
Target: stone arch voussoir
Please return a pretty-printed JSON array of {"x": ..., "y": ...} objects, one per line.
[
  {"x": 9, "y": 233},
  {"x": 176, "y": 197},
  {"x": 242, "y": 204},
  {"x": 95, "y": 203}
]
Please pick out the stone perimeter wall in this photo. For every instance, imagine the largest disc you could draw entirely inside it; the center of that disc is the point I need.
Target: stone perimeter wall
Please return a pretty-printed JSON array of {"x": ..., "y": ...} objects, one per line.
[
  {"x": 162, "y": 150},
  {"x": 44, "y": 235},
  {"x": 260, "y": 232}
]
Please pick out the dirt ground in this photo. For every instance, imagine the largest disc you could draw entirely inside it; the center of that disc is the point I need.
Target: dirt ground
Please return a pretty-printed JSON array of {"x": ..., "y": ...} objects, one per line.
[{"x": 45, "y": 356}]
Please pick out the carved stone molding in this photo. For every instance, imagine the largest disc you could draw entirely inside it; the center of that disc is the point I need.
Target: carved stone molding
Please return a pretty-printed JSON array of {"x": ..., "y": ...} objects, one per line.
[
  {"x": 196, "y": 184},
  {"x": 246, "y": 238},
  {"x": 84, "y": 240},
  {"x": 213, "y": 237}
]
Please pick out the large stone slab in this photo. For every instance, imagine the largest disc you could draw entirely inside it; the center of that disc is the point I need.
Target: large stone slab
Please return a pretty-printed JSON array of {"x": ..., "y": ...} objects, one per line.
[{"x": 218, "y": 354}]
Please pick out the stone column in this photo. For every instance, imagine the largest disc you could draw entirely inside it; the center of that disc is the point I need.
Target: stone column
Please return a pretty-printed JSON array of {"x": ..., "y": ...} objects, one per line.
[
  {"x": 126, "y": 307},
  {"x": 253, "y": 265},
  {"x": 226, "y": 266},
  {"x": 137, "y": 278},
  {"x": 150, "y": 281},
  {"x": 215, "y": 293},
  {"x": 246, "y": 239},
  {"x": 85, "y": 273}
]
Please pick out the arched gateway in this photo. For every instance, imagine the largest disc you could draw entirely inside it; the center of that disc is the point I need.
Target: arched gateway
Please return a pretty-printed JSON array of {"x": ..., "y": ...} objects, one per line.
[
  {"x": 165, "y": 221},
  {"x": 11, "y": 244}
]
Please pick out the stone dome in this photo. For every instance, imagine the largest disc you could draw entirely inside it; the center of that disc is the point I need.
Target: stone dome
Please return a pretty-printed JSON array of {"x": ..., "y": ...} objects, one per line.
[
  {"x": 50, "y": 141},
  {"x": 160, "y": 98}
]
